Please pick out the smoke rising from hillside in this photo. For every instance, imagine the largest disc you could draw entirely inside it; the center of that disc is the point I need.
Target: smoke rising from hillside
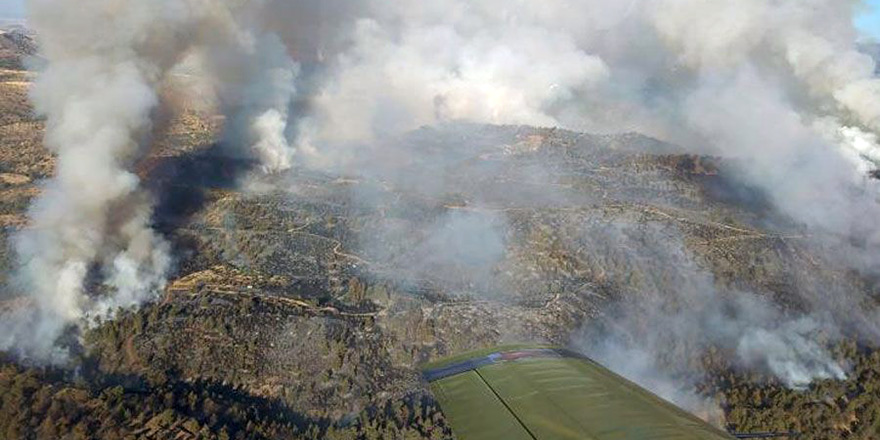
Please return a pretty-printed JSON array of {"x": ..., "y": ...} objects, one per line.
[
  {"x": 675, "y": 312},
  {"x": 778, "y": 84},
  {"x": 91, "y": 228}
]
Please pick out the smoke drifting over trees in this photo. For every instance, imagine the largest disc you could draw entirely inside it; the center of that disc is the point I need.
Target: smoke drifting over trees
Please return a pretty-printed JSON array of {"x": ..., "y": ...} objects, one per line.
[
  {"x": 106, "y": 64},
  {"x": 778, "y": 85}
]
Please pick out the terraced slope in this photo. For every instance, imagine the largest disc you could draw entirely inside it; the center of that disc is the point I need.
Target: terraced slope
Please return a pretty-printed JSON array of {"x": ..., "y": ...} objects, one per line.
[{"x": 302, "y": 305}]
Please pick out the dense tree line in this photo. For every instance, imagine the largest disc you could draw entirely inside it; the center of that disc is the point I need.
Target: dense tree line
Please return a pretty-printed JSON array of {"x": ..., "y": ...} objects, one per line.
[
  {"x": 47, "y": 404},
  {"x": 828, "y": 409}
]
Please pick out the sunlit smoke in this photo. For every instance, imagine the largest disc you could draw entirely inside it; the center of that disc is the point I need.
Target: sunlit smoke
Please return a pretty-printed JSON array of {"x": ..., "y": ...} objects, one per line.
[
  {"x": 778, "y": 85},
  {"x": 90, "y": 247}
]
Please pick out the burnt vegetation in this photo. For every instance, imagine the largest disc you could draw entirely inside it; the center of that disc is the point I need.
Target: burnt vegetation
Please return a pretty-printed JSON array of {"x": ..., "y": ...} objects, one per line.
[{"x": 297, "y": 314}]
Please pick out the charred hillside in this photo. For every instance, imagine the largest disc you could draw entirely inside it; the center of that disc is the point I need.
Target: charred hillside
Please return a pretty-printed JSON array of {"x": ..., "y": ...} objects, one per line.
[
  {"x": 16, "y": 44},
  {"x": 263, "y": 246},
  {"x": 301, "y": 305}
]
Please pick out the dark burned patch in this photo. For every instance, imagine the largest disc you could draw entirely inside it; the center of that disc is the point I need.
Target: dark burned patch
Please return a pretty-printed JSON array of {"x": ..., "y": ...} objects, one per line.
[
  {"x": 691, "y": 164},
  {"x": 182, "y": 183},
  {"x": 724, "y": 188},
  {"x": 183, "y": 186}
]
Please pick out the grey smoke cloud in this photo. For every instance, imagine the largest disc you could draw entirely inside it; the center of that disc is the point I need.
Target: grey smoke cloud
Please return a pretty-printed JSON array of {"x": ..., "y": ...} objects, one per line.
[
  {"x": 779, "y": 85},
  {"x": 674, "y": 311},
  {"x": 655, "y": 66},
  {"x": 459, "y": 250},
  {"x": 90, "y": 229}
]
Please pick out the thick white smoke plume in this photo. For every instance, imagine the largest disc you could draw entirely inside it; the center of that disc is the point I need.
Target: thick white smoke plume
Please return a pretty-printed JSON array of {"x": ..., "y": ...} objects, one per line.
[
  {"x": 675, "y": 312},
  {"x": 255, "y": 85},
  {"x": 780, "y": 84},
  {"x": 90, "y": 248},
  {"x": 777, "y": 84}
]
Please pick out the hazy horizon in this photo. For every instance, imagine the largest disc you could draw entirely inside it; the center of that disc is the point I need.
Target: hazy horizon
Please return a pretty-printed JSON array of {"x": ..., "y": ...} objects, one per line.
[
  {"x": 868, "y": 22},
  {"x": 12, "y": 10}
]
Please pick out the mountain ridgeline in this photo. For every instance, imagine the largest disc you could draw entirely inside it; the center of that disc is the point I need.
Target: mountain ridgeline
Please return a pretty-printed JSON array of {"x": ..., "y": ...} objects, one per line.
[{"x": 301, "y": 305}]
